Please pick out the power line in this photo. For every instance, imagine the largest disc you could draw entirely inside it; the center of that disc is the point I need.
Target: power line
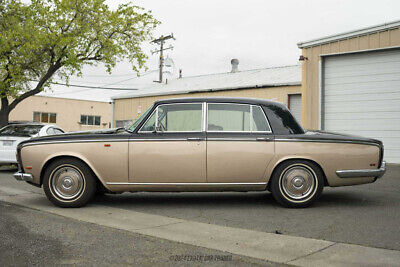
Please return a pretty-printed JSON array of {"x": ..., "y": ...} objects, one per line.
[
  {"x": 90, "y": 87},
  {"x": 141, "y": 75}
]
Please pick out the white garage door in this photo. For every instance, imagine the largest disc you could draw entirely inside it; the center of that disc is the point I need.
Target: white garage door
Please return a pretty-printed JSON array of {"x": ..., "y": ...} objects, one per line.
[
  {"x": 295, "y": 106},
  {"x": 361, "y": 96}
]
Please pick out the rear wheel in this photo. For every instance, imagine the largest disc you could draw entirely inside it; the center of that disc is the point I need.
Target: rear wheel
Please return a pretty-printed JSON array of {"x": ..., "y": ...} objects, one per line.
[
  {"x": 69, "y": 183},
  {"x": 297, "y": 183}
]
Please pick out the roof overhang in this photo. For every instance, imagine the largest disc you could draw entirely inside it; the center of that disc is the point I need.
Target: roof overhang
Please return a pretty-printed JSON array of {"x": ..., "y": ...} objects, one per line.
[
  {"x": 350, "y": 34},
  {"x": 144, "y": 94}
]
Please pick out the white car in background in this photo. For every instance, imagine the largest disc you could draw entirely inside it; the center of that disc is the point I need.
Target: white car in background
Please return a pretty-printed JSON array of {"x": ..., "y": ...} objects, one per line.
[{"x": 12, "y": 134}]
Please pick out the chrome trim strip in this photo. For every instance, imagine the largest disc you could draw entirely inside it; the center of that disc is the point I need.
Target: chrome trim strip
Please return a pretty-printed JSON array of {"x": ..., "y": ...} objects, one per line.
[
  {"x": 104, "y": 140},
  {"x": 75, "y": 141},
  {"x": 251, "y": 118},
  {"x": 20, "y": 176},
  {"x": 204, "y": 116},
  {"x": 378, "y": 173},
  {"x": 326, "y": 141},
  {"x": 191, "y": 184},
  {"x": 245, "y": 132},
  {"x": 232, "y": 139},
  {"x": 161, "y": 139}
]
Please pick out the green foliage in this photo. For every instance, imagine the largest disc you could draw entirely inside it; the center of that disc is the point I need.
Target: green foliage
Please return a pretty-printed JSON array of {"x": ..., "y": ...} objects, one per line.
[{"x": 48, "y": 37}]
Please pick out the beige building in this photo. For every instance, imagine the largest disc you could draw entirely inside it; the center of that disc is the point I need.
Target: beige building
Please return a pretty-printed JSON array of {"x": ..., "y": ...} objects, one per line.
[
  {"x": 69, "y": 114},
  {"x": 281, "y": 84},
  {"x": 351, "y": 84}
]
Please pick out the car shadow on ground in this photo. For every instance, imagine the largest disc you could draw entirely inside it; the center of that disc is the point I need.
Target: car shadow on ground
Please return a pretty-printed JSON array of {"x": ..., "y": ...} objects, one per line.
[{"x": 227, "y": 200}]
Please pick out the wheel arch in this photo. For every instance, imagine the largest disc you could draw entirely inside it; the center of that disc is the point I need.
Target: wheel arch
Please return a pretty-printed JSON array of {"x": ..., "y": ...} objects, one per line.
[
  {"x": 57, "y": 157},
  {"x": 283, "y": 160}
]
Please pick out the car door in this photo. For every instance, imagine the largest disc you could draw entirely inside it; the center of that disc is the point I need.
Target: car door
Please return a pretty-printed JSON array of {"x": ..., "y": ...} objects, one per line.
[
  {"x": 239, "y": 143},
  {"x": 170, "y": 147}
]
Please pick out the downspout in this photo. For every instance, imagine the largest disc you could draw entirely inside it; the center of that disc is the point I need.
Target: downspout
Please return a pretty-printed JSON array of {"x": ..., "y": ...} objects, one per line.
[{"x": 112, "y": 113}]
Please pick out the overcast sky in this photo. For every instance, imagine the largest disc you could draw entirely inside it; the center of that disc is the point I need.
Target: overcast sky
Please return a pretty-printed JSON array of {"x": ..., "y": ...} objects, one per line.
[{"x": 259, "y": 33}]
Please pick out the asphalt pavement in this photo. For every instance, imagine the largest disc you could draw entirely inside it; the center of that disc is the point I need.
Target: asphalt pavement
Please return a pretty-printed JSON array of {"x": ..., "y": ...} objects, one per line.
[
  {"x": 366, "y": 215},
  {"x": 30, "y": 238}
]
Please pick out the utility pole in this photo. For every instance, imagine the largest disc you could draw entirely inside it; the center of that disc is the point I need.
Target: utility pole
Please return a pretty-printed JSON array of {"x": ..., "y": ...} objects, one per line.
[{"x": 160, "y": 41}]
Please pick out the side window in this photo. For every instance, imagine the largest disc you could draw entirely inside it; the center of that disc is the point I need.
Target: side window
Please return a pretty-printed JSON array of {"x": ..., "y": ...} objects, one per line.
[
  {"x": 228, "y": 117},
  {"x": 58, "y": 131},
  {"x": 180, "y": 117},
  {"x": 176, "y": 118},
  {"x": 259, "y": 121},
  {"x": 50, "y": 131},
  {"x": 236, "y": 118}
]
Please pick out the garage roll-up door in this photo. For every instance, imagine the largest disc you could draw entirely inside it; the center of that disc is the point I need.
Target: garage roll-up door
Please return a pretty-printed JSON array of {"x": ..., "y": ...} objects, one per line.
[
  {"x": 294, "y": 103},
  {"x": 361, "y": 96}
]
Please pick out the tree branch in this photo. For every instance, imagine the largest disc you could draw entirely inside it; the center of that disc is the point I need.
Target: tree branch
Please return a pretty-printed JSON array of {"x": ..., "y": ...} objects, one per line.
[{"x": 52, "y": 69}]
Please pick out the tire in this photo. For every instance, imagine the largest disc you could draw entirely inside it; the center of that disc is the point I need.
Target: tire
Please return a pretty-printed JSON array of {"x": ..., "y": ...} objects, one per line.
[
  {"x": 69, "y": 183},
  {"x": 297, "y": 183}
]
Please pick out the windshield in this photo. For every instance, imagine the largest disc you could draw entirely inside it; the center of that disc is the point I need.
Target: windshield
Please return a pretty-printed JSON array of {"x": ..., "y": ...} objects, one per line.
[
  {"x": 137, "y": 122},
  {"x": 20, "y": 130}
]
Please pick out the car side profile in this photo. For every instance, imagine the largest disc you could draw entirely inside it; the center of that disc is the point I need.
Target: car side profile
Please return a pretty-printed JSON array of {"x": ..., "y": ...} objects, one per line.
[{"x": 201, "y": 144}]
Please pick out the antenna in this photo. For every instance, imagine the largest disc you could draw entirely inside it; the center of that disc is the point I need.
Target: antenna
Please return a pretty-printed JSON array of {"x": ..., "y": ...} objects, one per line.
[{"x": 160, "y": 41}]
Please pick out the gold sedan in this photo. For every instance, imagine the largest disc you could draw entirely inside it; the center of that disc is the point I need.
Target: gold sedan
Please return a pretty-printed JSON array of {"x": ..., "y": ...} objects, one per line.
[{"x": 201, "y": 144}]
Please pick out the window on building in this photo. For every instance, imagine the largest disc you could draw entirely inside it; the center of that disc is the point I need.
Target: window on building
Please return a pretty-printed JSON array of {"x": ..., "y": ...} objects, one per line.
[
  {"x": 45, "y": 117},
  {"x": 90, "y": 120}
]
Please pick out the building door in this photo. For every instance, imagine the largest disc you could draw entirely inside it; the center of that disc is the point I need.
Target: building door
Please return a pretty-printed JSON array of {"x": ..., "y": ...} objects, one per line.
[
  {"x": 361, "y": 95},
  {"x": 294, "y": 105}
]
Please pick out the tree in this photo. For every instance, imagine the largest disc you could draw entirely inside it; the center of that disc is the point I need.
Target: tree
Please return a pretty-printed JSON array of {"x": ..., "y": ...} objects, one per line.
[{"x": 48, "y": 38}]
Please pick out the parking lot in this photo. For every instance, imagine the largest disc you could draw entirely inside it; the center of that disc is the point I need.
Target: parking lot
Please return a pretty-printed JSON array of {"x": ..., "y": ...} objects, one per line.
[{"x": 366, "y": 215}]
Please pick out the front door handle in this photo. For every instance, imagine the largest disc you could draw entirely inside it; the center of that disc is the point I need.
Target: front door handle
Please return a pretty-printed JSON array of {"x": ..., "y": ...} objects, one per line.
[
  {"x": 195, "y": 139},
  {"x": 264, "y": 138}
]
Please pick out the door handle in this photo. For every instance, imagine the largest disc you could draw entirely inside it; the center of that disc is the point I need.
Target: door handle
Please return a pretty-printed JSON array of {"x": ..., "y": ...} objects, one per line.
[
  {"x": 264, "y": 138},
  {"x": 195, "y": 139}
]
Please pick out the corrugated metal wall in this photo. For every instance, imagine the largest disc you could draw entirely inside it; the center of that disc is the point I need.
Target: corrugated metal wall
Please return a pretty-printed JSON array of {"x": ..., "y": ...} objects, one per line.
[{"x": 310, "y": 71}]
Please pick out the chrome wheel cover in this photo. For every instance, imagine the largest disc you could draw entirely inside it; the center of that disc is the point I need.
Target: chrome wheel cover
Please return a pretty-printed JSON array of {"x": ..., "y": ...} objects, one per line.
[
  {"x": 67, "y": 182},
  {"x": 298, "y": 182}
]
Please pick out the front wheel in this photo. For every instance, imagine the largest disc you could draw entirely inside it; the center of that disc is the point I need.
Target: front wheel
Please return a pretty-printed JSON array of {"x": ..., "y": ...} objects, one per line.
[
  {"x": 69, "y": 183},
  {"x": 297, "y": 183}
]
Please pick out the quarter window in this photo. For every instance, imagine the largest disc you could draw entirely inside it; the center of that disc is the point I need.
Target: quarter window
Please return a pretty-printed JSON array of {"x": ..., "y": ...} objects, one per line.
[
  {"x": 259, "y": 123},
  {"x": 236, "y": 118}
]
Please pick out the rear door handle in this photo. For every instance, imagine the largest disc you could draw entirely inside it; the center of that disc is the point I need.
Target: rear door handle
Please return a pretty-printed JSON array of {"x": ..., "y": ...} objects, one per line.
[
  {"x": 264, "y": 139},
  {"x": 195, "y": 139}
]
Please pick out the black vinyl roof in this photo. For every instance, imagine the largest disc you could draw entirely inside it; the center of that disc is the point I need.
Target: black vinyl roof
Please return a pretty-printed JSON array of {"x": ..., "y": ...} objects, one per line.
[{"x": 240, "y": 100}]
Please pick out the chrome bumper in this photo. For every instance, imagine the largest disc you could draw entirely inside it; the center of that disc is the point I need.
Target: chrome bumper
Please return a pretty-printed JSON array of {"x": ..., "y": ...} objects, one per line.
[
  {"x": 377, "y": 173},
  {"x": 20, "y": 176}
]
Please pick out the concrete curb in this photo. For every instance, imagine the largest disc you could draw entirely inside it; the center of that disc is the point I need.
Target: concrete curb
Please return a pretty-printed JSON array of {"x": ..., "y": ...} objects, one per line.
[{"x": 266, "y": 246}]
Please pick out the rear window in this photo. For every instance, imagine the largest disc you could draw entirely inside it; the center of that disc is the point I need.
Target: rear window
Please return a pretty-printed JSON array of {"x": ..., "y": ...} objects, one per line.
[{"x": 20, "y": 130}]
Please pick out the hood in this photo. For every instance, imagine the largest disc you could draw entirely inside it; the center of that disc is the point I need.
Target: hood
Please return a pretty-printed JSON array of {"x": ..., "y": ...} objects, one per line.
[{"x": 82, "y": 135}]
